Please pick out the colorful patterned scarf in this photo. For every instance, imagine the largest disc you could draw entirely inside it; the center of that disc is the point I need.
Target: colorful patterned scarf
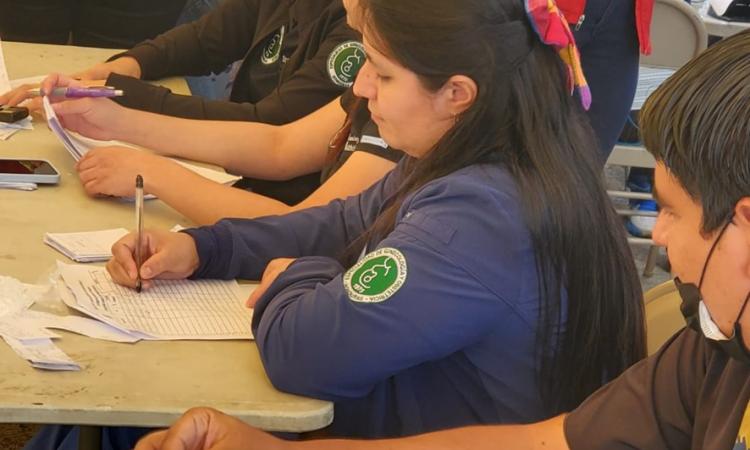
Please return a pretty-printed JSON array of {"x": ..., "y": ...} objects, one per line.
[{"x": 552, "y": 28}]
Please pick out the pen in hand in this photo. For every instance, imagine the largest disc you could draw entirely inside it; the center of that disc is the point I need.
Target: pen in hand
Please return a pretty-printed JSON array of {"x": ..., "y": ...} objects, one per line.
[
  {"x": 80, "y": 92},
  {"x": 139, "y": 231}
]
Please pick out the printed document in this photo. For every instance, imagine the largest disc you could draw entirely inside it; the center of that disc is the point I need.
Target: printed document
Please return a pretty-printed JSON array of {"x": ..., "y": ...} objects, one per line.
[
  {"x": 78, "y": 145},
  {"x": 169, "y": 310}
]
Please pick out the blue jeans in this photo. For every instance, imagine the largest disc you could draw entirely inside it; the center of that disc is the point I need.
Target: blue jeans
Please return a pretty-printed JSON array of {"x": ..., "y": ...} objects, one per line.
[{"x": 608, "y": 42}]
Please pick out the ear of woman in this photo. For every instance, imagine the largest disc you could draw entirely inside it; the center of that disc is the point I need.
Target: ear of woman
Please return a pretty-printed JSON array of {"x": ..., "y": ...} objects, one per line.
[{"x": 458, "y": 94}]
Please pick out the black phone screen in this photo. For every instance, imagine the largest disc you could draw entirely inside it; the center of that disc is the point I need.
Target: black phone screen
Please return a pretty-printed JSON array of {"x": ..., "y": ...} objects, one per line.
[{"x": 26, "y": 167}]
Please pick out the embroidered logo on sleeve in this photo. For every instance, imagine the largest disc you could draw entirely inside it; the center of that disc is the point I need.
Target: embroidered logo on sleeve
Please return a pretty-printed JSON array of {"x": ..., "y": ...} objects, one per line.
[
  {"x": 344, "y": 62},
  {"x": 273, "y": 50},
  {"x": 376, "y": 277}
]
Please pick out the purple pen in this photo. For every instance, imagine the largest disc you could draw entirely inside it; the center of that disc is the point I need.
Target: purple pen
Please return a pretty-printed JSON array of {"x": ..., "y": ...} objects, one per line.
[{"x": 79, "y": 92}]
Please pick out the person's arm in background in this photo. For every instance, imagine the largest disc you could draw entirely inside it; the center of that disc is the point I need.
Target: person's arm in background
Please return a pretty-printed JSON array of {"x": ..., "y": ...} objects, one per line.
[
  {"x": 269, "y": 152},
  {"x": 246, "y": 148},
  {"x": 207, "y": 45},
  {"x": 106, "y": 171},
  {"x": 208, "y": 429},
  {"x": 307, "y": 89},
  {"x": 197, "y": 48}
]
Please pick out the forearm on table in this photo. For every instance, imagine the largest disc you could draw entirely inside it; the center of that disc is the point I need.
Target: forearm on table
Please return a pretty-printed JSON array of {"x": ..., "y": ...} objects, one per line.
[
  {"x": 546, "y": 435},
  {"x": 205, "y": 202},
  {"x": 241, "y": 147}
]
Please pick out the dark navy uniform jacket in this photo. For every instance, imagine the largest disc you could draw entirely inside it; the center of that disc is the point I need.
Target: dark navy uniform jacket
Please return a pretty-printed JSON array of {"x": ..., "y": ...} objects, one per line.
[
  {"x": 454, "y": 345},
  {"x": 294, "y": 83}
]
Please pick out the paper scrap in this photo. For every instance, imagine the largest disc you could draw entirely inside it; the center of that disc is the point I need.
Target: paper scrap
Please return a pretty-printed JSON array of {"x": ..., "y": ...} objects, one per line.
[
  {"x": 22, "y": 328},
  {"x": 9, "y": 129},
  {"x": 42, "y": 354},
  {"x": 79, "y": 325},
  {"x": 14, "y": 296},
  {"x": 23, "y": 124}
]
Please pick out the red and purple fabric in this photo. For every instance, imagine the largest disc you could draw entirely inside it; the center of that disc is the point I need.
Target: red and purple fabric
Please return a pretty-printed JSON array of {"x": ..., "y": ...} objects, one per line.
[{"x": 552, "y": 28}]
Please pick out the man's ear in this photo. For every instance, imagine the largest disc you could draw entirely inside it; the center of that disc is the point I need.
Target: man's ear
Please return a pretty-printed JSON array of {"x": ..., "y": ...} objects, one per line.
[
  {"x": 458, "y": 94},
  {"x": 742, "y": 220}
]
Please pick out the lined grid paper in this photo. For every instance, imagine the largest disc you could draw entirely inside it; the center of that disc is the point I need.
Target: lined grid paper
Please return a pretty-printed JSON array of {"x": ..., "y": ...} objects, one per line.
[{"x": 170, "y": 309}]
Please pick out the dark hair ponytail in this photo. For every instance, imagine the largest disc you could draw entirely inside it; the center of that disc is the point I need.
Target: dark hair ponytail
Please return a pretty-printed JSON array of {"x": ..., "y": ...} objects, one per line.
[
  {"x": 525, "y": 119},
  {"x": 579, "y": 242}
]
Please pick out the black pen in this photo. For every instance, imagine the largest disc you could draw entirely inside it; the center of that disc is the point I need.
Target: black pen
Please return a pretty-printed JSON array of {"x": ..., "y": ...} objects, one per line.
[{"x": 139, "y": 230}]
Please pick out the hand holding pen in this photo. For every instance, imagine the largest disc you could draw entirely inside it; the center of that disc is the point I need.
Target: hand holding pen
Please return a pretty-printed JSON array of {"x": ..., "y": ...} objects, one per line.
[
  {"x": 52, "y": 84},
  {"x": 79, "y": 92},
  {"x": 165, "y": 256}
]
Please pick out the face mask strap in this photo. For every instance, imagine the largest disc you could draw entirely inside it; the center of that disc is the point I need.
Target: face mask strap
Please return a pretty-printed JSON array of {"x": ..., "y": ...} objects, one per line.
[
  {"x": 742, "y": 310},
  {"x": 711, "y": 252}
]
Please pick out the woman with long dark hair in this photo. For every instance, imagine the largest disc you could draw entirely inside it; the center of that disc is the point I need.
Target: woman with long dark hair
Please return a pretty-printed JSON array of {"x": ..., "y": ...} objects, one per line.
[{"x": 485, "y": 280}]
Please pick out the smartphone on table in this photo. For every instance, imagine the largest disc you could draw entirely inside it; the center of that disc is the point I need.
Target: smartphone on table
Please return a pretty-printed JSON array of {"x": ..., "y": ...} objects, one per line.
[
  {"x": 10, "y": 114},
  {"x": 28, "y": 171}
]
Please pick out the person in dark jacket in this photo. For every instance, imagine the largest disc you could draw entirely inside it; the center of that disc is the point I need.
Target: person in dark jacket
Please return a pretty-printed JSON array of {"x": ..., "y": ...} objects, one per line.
[
  {"x": 284, "y": 48},
  {"x": 287, "y": 50}
]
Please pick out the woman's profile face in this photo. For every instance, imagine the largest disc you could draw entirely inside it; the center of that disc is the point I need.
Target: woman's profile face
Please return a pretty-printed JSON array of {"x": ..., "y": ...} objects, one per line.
[{"x": 408, "y": 116}]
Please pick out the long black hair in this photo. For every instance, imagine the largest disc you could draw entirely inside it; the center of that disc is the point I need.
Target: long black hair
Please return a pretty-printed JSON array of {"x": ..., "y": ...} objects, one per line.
[{"x": 525, "y": 119}]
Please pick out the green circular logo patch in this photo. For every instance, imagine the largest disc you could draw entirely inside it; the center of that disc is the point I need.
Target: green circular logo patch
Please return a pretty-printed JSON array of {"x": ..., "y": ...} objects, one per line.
[
  {"x": 344, "y": 62},
  {"x": 273, "y": 49},
  {"x": 376, "y": 277}
]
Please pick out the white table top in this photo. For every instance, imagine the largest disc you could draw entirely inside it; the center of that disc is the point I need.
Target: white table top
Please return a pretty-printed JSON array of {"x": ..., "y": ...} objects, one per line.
[{"x": 145, "y": 384}]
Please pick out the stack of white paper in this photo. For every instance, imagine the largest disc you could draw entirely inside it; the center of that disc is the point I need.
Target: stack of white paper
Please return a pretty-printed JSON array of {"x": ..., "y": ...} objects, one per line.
[
  {"x": 42, "y": 354},
  {"x": 78, "y": 145},
  {"x": 86, "y": 246},
  {"x": 169, "y": 310}
]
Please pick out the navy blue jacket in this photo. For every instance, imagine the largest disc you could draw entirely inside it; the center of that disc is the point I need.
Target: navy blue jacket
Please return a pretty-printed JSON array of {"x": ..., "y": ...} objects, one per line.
[{"x": 454, "y": 345}]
